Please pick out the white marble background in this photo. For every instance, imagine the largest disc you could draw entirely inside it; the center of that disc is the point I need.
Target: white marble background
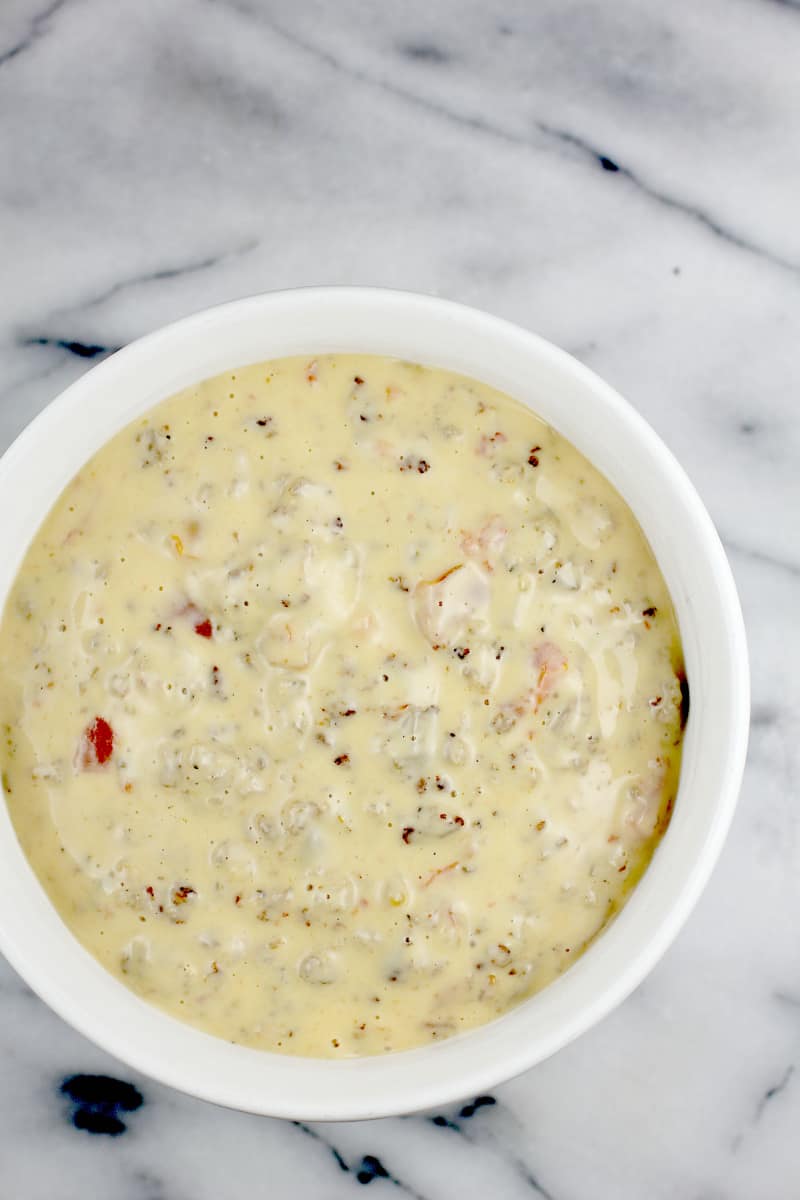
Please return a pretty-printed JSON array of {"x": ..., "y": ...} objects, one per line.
[{"x": 159, "y": 157}]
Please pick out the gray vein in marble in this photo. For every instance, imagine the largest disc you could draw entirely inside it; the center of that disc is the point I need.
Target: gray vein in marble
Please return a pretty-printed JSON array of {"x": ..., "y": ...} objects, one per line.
[
  {"x": 774, "y": 1090},
  {"x": 424, "y": 52},
  {"x": 152, "y": 1187},
  {"x": 454, "y": 1124},
  {"x": 766, "y": 1099},
  {"x": 37, "y": 29},
  {"x": 482, "y": 126},
  {"x": 27, "y": 380},
  {"x": 761, "y": 556},
  {"x": 763, "y": 716},
  {"x": 666, "y": 200},
  {"x": 207, "y": 263},
  {"x": 369, "y": 1169},
  {"x": 81, "y": 348}
]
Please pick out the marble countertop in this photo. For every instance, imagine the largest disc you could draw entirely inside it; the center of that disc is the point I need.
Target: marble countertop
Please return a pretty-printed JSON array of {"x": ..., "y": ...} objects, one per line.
[{"x": 622, "y": 178}]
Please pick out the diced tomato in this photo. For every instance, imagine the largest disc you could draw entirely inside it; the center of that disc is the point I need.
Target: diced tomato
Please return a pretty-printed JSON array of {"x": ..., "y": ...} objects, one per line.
[
  {"x": 99, "y": 743},
  {"x": 201, "y": 623}
]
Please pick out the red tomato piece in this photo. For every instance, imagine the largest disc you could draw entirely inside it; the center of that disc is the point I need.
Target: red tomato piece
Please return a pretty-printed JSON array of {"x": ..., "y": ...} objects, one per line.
[{"x": 100, "y": 738}]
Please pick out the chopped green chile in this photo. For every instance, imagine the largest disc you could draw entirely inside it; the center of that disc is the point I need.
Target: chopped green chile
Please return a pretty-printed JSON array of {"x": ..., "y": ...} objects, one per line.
[{"x": 342, "y": 704}]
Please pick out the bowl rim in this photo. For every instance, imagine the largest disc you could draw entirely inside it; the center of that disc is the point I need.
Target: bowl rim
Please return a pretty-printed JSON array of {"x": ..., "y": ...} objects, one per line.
[{"x": 72, "y": 983}]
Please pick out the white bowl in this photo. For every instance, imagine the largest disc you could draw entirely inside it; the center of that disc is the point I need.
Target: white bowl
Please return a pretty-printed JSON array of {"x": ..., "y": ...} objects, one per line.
[{"x": 628, "y": 452}]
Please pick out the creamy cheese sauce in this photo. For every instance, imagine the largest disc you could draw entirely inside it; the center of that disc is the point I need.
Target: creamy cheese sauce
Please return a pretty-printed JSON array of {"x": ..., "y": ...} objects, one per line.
[{"x": 341, "y": 705}]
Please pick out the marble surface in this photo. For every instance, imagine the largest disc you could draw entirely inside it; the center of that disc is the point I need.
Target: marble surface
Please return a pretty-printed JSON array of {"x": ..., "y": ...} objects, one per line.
[{"x": 623, "y": 178}]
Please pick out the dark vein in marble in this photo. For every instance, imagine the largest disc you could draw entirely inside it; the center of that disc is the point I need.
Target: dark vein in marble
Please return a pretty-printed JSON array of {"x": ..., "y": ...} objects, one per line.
[
  {"x": 666, "y": 200},
  {"x": 98, "y": 1103},
  {"x": 79, "y": 349},
  {"x": 38, "y": 27},
  {"x": 565, "y": 137},
  {"x": 317, "y": 1137},
  {"x": 89, "y": 349},
  {"x": 763, "y": 716},
  {"x": 772, "y": 1092},
  {"x": 761, "y": 556},
  {"x": 368, "y": 1169},
  {"x": 162, "y": 276},
  {"x": 455, "y": 1124},
  {"x": 425, "y": 52},
  {"x": 466, "y": 1113}
]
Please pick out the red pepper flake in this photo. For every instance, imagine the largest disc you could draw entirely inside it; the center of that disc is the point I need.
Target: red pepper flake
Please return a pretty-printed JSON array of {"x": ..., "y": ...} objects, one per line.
[
  {"x": 461, "y": 651},
  {"x": 650, "y": 612},
  {"x": 262, "y": 421},
  {"x": 654, "y": 703},
  {"x": 407, "y": 832},
  {"x": 150, "y": 892},
  {"x": 182, "y": 894},
  {"x": 358, "y": 380},
  {"x": 341, "y": 759},
  {"x": 348, "y": 712},
  {"x": 533, "y": 459},
  {"x": 204, "y": 628},
  {"x": 458, "y": 820},
  {"x": 99, "y": 744},
  {"x": 423, "y": 466},
  {"x": 237, "y": 900}
]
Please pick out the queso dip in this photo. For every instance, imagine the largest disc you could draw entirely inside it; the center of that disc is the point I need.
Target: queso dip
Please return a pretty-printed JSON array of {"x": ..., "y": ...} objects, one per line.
[{"x": 342, "y": 704}]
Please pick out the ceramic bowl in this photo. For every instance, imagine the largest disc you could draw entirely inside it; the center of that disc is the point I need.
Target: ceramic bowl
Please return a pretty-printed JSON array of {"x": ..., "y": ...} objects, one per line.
[{"x": 609, "y": 432}]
